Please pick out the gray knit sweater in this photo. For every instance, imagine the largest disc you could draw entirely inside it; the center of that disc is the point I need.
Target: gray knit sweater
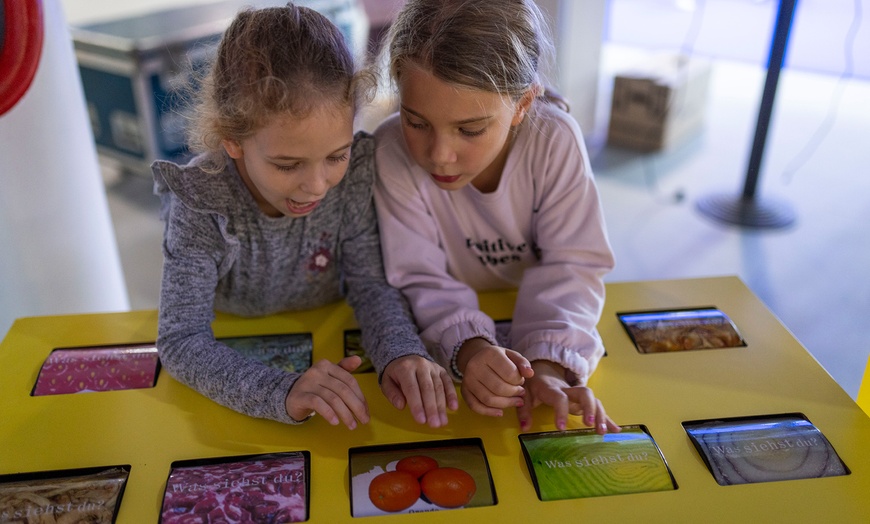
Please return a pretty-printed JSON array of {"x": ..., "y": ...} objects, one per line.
[{"x": 221, "y": 253}]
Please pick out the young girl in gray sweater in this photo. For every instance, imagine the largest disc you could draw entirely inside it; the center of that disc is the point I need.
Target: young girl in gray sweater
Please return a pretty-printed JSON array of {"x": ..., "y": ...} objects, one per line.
[{"x": 276, "y": 214}]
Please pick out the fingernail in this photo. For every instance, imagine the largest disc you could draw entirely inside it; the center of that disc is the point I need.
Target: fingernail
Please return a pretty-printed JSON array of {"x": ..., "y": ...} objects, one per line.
[{"x": 590, "y": 420}]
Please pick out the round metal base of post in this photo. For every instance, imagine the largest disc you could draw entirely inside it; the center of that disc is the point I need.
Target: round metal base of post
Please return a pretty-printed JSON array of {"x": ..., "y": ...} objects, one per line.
[{"x": 752, "y": 212}]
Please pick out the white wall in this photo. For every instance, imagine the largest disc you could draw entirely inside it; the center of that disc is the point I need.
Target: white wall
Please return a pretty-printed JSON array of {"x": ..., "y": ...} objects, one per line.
[{"x": 578, "y": 29}]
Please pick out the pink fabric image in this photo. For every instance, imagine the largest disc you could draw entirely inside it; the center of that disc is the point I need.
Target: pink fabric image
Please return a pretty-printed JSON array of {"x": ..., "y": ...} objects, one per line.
[
  {"x": 83, "y": 370},
  {"x": 268, "y": 488}
]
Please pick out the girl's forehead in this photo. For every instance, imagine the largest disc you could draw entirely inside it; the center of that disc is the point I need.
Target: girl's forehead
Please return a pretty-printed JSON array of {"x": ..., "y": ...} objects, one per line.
[
  {"x": 325, "y": 128},
  {"x": 420, "y": 87},
  {"x": 324, "y": 109}
]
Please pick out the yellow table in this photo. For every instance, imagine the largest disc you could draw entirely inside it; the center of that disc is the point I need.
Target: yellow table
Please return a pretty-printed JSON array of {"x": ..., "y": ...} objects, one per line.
[
  {"x": 863, "y": 399},
  {"x": 150, "y": 428}
]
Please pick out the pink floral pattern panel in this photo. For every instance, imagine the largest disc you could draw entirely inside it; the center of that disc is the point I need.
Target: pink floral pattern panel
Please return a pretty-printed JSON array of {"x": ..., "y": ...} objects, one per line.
[{"x": 80, "y": 370}]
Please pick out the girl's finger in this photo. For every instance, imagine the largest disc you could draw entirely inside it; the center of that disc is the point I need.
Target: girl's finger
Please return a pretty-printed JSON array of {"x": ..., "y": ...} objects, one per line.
[
  {"x": 496, "y": 386},
  {"x": 558, "y": 400},
  {"x": 431, "y": 397},
  {"x": 524, "y": 414},
  {"x": 506, "y": 370},
  {"x": 449, "y": 390},
  {"x": 524, "y": 367},
  {"x": 340, "y": 374},
  {"x": 350, "y": 363},
  {"x": 411, "y": 390},
  {"x": 393, "y": 392},
  {"x": 348, "y": 410},
  {"x": 346, "y": 399},
  {"x": 479, "y": 407}
]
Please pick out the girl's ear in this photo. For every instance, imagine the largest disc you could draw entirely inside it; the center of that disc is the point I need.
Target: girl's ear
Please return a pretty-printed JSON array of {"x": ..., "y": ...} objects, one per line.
[
  {"x": 523, "y": 105},
  {"x": 233, "y": 148}
]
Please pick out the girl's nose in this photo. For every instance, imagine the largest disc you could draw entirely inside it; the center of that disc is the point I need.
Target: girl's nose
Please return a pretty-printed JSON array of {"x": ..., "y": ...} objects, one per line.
[
  {"x": 316, "y": 181},
  {"x": 441, "y": 151}
]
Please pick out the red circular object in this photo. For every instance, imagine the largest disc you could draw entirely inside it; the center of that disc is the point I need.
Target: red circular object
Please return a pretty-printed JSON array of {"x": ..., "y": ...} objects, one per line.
[
  {"x": 448, "y": 487},
  {"x": 394, "y": 491},
  {"x": 417, "y": 465},
  {"x": 20, "y": 50}
]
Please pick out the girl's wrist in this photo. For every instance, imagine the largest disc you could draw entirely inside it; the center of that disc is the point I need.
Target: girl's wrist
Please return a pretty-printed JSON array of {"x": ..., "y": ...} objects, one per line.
[
  {"x": 302, "y": 420},
  {"x": 453, "y": 366},
  {"x": 550, "y": 368},
  {"x": 465, "y": 352}
]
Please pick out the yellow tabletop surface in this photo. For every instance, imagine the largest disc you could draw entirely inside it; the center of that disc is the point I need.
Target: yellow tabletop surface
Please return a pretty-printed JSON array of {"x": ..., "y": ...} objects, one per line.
[
  {"x": 150, "y": 428},
  {"x": 863, "y": 399}
]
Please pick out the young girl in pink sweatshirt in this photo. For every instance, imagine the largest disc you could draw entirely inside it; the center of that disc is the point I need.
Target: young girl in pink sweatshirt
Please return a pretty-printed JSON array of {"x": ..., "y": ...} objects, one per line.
[{"x": 484, "y": 183}]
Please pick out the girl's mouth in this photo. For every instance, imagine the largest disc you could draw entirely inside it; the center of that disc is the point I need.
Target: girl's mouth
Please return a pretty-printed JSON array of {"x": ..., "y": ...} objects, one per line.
[
  {"x": 444, "y": 179},
  {"x": 301, "y": 208}
]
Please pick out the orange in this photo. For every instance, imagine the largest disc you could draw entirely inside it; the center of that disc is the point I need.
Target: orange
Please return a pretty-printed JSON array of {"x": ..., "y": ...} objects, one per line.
[
  {"x": 417, "y": 465},
  {"x": 394, "y": 490},
  {"x": 448, "y": 487}
]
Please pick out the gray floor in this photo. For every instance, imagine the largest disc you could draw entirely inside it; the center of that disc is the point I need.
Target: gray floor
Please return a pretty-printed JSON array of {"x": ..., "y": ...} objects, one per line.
[{"x": 813, "y": 276}]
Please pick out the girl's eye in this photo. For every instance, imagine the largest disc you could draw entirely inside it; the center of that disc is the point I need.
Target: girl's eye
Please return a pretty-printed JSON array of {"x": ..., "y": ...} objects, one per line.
[
  {"x": 472, "y": 132},
  {"x": 288, "y": 167},
  {"x": 414, "y": 125},
  {"x": 339, "y": 159}
]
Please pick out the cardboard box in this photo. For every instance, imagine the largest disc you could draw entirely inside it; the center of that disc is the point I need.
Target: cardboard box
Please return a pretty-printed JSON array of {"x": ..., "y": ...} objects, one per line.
[{"x": 660, "y": 104}]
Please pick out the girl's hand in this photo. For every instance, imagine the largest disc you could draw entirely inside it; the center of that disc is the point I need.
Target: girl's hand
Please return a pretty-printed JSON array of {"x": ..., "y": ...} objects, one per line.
[
  {"x": 492, "y": 377},
  {"x": 548, "y": 386},
  {"x": 423, "y": 386},
  {"x": 331, "y": 391}
]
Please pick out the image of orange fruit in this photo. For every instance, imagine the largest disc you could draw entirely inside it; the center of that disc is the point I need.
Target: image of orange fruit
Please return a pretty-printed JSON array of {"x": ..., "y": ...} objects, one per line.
[
  {"x": 394, "y": 490},
  {"x": 448, "y": 487},
  {"x": 417, "y": 465}
]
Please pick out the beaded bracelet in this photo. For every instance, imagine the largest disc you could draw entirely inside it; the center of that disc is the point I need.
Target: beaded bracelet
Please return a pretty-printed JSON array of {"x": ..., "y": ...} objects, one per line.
[{"x": 453, "y": 366}]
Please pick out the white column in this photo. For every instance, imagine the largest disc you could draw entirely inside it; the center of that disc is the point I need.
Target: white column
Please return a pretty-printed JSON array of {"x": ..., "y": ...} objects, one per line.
[
  {"x": 58, "y": 253},
  {"x": 578, "y": 30}
]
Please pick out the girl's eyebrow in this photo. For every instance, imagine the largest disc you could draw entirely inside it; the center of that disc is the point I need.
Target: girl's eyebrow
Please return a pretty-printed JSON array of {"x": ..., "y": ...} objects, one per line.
[
  {"x": 457, "y": 123},
  {"x": 342, "y": 148},
  {"x": 287, "y": 157}
]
